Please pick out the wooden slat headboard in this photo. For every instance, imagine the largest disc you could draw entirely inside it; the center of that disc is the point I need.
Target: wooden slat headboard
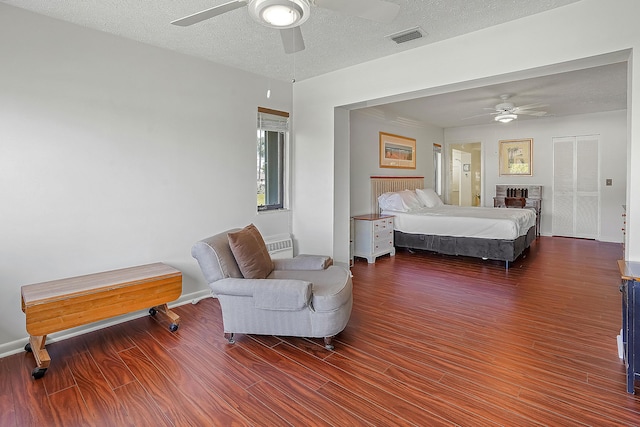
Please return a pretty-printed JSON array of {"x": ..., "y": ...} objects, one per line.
[{"x": 385, "y": 184}]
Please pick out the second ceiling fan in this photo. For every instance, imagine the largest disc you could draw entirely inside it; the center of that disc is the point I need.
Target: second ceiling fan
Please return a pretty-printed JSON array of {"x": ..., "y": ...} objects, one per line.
[
  {"x": 507, "y": 111},
  {"x": 288, "y": 15}
]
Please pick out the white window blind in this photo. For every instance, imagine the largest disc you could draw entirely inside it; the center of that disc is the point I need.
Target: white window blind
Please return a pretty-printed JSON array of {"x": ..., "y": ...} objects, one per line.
[{"x": 271, "y": 122}]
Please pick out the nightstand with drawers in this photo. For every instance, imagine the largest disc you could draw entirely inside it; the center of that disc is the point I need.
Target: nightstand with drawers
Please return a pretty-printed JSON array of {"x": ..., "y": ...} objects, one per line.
[{"x": 373, "y": 236}]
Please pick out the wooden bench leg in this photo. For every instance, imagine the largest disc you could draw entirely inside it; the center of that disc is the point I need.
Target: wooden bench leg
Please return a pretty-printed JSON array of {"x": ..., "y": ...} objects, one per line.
[
  {"x": 40, "y": 354},
  {"x": 173, "y": 318}
]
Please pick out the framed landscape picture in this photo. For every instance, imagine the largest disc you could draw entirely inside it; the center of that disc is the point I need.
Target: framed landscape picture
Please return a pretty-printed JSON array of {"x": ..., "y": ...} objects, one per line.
[
  {"x": 397, "y": 151},
  {"x": 515, "y": 157}
]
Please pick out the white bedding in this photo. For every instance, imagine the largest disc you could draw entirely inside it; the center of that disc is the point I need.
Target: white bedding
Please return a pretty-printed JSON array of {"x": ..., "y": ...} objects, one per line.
[{"x": 462, "y": 221}]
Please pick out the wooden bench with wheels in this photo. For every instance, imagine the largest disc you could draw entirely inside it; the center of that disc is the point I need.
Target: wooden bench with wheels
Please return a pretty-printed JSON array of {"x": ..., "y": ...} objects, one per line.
[{"x": 66, "y": 303}]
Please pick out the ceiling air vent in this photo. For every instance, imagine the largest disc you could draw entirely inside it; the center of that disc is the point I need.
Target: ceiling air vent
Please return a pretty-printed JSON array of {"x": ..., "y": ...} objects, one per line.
[{"x": 407, "y": 35}]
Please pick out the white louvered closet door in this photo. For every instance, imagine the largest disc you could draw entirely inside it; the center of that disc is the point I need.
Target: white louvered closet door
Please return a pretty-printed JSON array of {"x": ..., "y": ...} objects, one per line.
[{"x": 576, "y": 195}]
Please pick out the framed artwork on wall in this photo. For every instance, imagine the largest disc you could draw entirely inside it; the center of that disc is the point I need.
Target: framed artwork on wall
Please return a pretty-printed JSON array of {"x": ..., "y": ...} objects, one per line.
[
  {"x": 397, "y": 151},
  {"x": 516, "y": 157}
]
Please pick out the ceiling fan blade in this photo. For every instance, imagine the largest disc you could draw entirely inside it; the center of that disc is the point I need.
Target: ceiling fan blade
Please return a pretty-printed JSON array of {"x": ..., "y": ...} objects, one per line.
[
  {"x": 533, "y": 113},
  {"x": 530, "y": 106},
  {"x": 292, "y": 40},
  {"x": 476, "y": 116},
  {"x": 373, "y": 10},
  {"x": 209, "y": 13}
]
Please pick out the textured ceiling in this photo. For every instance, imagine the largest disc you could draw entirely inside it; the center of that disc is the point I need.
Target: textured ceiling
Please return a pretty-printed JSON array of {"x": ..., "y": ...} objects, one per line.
[
  {"x": 332, "y": 40},
  {"x": 583, "y": 91}
]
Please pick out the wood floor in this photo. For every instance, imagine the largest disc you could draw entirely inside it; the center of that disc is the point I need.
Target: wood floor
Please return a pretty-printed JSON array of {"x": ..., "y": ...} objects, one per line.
[{"x": 433, "y": 340}]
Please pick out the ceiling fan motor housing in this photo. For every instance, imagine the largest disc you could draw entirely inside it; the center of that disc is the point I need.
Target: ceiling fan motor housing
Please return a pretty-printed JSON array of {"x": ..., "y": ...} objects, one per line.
[
  {"x": 295, "y": 12},
  {"x": 505, "y": 106}
]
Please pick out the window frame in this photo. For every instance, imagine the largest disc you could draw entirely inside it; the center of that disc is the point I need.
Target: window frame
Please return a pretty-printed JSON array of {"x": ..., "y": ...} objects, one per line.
[
  {"x": 276, "y": 124},
  {"x": 437, "y": 168}
]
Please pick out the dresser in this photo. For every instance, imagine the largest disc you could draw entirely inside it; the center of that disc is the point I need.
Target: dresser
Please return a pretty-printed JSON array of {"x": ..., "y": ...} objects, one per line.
[
  {"x": 630, "y": 289},
  {"x": 531, "y": 193},
  {"x": 373, "y": 236}
]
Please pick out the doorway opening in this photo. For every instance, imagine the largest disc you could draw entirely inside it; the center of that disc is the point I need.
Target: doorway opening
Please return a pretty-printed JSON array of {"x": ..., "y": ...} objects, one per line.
[{"x": 465, "y": 174}]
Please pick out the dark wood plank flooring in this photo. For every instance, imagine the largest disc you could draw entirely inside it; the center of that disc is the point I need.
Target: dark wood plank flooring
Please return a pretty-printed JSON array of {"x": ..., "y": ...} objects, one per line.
[{"x": 433, "y": 340}]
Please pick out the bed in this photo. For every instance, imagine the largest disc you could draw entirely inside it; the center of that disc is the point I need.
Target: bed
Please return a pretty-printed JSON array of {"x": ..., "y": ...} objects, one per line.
[{"x": 489, "y": 233}]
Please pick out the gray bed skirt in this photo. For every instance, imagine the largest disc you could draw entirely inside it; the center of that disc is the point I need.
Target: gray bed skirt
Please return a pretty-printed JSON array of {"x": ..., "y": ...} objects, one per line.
[{"x": 502, "y": 250}]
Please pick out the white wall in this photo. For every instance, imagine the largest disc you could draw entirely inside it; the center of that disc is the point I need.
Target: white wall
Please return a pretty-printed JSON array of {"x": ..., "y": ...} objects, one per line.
[
  {"x": 549, "y": 41},
  {"x": 114, "y": 153},
  {"x": 365, "y": 158},
  {"x": 612, "y": 128}
]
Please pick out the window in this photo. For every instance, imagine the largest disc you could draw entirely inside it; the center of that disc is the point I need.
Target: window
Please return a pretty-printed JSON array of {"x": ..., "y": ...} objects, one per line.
[
  {"x": 437, "y": 168},
  {"x": 273, "y": 132}
]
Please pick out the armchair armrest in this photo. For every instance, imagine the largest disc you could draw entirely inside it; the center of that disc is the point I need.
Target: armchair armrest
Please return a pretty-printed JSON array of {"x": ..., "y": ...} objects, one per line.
[
  {"x": 303, "y": 262},
  {"x": 234, "y": 287},
  {"x": 268, "y": 294}
]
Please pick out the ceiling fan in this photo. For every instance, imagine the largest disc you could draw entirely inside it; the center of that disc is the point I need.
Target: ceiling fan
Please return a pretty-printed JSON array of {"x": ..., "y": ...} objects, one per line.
[
  {"x": 288, "y": 15},
  {"x": 507, "y": 111}
]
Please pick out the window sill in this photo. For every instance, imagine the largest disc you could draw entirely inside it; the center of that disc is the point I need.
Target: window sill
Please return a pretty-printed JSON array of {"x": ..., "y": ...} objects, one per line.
[{"x": 273, "y": 211}]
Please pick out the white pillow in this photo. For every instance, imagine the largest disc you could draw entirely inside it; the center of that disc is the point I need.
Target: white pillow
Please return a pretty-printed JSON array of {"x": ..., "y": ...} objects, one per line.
[
  {"x": 391, "y": 202},
  {"x": 429, "y": 197},
  {"x": 410, "y": 200}
]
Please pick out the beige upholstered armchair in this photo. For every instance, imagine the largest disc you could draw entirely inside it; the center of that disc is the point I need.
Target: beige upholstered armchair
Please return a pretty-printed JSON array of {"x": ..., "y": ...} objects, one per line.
[{"x": 304, "y": 296}]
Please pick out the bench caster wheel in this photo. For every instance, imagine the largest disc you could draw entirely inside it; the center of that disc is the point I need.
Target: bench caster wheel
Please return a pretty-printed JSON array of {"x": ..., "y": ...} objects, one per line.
[
  {"x": 27, "y": 348},
  {"x": 173, "y": 327},
  {"x": 38, "y": 373},
  {"x": 152, "y": 311}
]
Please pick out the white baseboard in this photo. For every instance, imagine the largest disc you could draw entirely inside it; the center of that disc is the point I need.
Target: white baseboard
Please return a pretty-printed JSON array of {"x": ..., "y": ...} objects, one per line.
[{"x": 17, "y": 346}]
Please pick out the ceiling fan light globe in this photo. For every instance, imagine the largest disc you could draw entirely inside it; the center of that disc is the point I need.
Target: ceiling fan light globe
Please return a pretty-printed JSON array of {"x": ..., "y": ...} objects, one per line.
[
  {"x": 281, "y": 14},
  {"x": 505, "y": 118}
]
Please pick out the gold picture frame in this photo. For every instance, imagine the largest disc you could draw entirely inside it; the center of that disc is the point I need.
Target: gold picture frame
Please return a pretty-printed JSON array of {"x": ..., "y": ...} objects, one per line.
[
  {"x": 516, "y": 157},
  {"x": 397, "y": 151}
]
